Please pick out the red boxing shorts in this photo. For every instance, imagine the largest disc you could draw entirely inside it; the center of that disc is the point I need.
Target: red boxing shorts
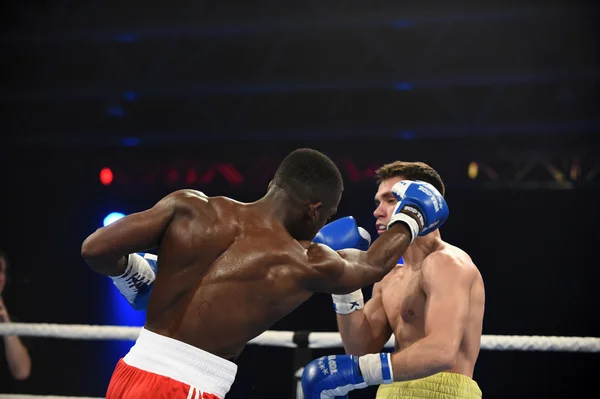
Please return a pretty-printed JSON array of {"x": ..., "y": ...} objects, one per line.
[{"x": 160, "y": 367}]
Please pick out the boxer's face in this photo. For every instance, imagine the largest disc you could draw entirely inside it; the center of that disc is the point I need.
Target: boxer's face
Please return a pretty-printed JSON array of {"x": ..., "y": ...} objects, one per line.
[
  {"x": 385, "y": 202},
  {"x": 2, "y": 274}
]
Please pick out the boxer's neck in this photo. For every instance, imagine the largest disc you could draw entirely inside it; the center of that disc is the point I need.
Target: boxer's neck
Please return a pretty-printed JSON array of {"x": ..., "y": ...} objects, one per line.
[
  {"x": 276, "y": 204},
  {"x": 422, "y": 247}
]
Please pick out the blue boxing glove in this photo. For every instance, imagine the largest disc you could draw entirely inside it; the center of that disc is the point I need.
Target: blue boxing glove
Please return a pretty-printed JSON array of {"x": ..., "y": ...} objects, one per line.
[
  {"x": 332, "y": 377},
  {"x": 340, "y": 234},
  {"x": 135, "y": 284},
  {"x": 420, "y": 206},
  {"x": 343, "y": 233}
]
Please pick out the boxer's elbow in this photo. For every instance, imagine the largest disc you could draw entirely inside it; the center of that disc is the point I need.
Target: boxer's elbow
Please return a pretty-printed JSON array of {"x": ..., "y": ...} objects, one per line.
[
  {"x": 445, "y": 357},
  {"x": 90, "y": 248},
  {"x": 446, "y": 362},
  {"x": 438, "y": 353},
  {"x": 94, "y": 253}
]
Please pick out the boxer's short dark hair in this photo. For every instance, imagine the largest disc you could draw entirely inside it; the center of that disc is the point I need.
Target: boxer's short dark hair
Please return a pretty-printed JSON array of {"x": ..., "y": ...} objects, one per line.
[
  {"x": 310, "y": 175},
  {"x": 411, "y": 171}
]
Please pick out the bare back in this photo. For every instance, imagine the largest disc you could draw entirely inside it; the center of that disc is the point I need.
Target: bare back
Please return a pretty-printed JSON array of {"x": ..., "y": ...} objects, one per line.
[
  {"x": 404, "y": 302},
  {"x": 226, "y": 274}
]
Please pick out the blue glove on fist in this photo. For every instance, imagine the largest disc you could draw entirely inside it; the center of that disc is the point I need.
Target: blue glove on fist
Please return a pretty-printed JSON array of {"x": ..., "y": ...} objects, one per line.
[
  {"x": 343, "y": 233},
  {"x": 420, "y": 206},
  {"x": 332, "y": 377}
]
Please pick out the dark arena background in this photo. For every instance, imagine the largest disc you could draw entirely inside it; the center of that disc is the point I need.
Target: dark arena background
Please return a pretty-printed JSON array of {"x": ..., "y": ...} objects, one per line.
[{"x": 109, "y": 105}]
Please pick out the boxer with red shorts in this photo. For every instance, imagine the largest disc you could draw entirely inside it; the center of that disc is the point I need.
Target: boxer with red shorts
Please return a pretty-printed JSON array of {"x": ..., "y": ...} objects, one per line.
[{"x": 227, "y": 271}]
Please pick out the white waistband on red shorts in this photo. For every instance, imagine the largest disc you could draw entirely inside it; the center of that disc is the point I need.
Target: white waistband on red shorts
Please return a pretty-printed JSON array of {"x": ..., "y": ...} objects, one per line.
[{"x": 182, "y": 362}]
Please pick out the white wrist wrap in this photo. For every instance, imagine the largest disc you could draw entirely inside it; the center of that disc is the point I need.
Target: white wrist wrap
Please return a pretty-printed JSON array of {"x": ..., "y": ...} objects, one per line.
[
  {"x": 348, "y": 303},
  {"x": 413, "y": 226},
  {"x": 376, "y": 368},
  {"x": 137, "y": 273}
]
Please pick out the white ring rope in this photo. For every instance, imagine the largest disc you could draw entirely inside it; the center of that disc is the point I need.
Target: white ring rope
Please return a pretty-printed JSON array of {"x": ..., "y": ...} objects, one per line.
[
  {"x": 285, "y": 338},
  {"x": 282, "y": 339}
]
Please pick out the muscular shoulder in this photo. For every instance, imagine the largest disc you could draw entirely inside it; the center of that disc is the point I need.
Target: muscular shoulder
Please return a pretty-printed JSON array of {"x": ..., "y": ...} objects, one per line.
[
  {"x": 449, "y": 261},
  {"x": 187, "y": 196},
  {"x": 191, "y": 204}
]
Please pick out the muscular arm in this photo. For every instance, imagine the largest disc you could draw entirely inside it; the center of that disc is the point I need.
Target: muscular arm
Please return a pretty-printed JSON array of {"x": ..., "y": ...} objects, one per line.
[
  {"x": 106, "y": 250},
  {"x": 366, "y": 330},
  {"x": 347, "y": 270},
  {"x": 447, "y": 284}
]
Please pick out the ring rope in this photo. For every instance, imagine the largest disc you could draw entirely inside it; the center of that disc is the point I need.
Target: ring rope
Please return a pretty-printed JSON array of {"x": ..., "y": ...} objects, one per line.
[{"x": 316, "y": 340}]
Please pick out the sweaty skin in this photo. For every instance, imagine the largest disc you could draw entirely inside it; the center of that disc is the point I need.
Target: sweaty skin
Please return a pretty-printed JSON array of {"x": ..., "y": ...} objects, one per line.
[
  {"x": 433, "y": 304},
  {"x": 229, "y": 270},
  {"x": 403, "y": 295}
]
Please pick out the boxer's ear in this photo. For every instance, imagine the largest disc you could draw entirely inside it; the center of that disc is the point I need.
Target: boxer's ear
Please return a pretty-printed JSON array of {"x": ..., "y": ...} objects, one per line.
[{"x": 313, "y": 210}]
